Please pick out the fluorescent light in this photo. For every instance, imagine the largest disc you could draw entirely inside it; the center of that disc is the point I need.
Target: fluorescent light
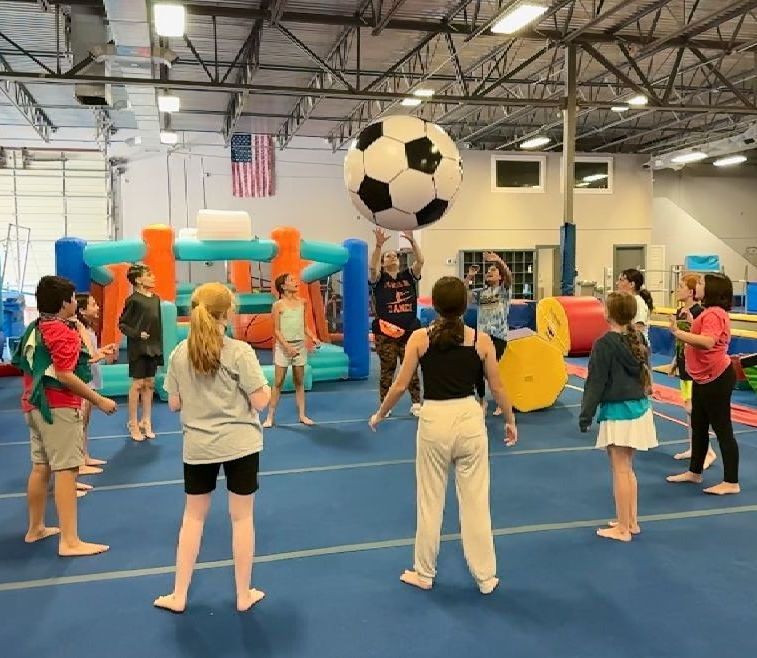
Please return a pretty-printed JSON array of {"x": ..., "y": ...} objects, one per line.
[
  {"x": 411, "y": 102},
  {"x": 583, "y": 184},
  {"x": 640, "y": 99},
  {"x": 594, "y": 178},
  {"x": 169, "y": 103},
  {"x": 685, "y": 158},
  {"x": 169, "y": 19},
  {"x": 535, "y": 142},
  {"x": 620, "y": 108},
  {"x": 730, "y": 160},
  {"x": 518, "y": 17},
  {"x": 424, "y": 93},
  {"x": 168, "y": 137}
]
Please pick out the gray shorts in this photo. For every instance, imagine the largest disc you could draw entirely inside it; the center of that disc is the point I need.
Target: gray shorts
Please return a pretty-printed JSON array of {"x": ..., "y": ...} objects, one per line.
[
  {"x": 281, "y": 359},
  {"x": 60, "y": 445}
]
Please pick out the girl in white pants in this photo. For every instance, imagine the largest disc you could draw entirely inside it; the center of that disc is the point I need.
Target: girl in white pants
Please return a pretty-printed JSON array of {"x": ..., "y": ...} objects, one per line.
[{"x": 451, "y": 431}]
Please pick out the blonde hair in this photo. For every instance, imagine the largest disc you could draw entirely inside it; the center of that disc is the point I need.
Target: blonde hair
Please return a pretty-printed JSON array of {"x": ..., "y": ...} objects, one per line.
[{"x": 211, "y": 302}]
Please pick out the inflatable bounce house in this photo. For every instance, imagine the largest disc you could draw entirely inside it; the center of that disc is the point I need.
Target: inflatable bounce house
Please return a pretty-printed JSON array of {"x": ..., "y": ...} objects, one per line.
[{"x": 100, "y": 269}]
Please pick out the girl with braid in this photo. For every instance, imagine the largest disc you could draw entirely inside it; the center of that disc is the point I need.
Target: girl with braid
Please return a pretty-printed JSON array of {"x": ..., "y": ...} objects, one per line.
[{"x": 619, "y": 384}]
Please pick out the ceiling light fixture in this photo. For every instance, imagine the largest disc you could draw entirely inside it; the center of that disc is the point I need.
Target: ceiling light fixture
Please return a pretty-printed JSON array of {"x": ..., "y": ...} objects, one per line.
[
  {"x": 424, "y": 93},
  {"x": 169, "y": 19},
  {"x": 516, "y": 18},
  {"x": 730, "y": 160},
  {"x": 686, "y": 158},
  {"x": 620, "y": 108},
  {"x": 168, "y": 137},
  {"x": 535, "y": 142},
  {"x": 637, "y": 100},
  {"x": 169, "y": 103},
  {"x": 411, "y": 102}
]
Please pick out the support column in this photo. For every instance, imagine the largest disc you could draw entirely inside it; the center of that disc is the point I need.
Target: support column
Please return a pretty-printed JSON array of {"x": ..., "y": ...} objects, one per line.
[{"x": 568, "y": 230}]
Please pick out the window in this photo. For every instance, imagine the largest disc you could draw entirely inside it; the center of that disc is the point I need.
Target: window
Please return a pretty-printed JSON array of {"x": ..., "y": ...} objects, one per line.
[
  {"x": 49, "y": 195},
  {"x": 592, "y": 175},
  {"x": 518, "y": 173}
]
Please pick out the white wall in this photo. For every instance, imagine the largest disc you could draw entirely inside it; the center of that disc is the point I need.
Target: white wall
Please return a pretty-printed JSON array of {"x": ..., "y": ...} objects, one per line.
[{"x": 311, "y": 196}]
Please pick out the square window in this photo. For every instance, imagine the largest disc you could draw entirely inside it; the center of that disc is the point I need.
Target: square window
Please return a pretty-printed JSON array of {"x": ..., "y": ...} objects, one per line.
[
  {"x": 512, "y": 173},
  {"x": 592, "y": 175}
]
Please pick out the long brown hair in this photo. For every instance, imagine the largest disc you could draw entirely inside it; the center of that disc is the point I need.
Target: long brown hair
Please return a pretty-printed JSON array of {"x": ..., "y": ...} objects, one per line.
[
  {"x": 621, "y": 309},
  {"x": 211, "y": 303},
  {"x": 450, "y": 299}
]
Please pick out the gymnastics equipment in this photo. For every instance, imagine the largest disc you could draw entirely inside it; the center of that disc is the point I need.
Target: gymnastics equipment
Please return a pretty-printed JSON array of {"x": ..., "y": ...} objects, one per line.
[
  {"x": 532, "y": 370},
  {"x": 571, "y": 323},
  {"x": 99, "y": 268}
]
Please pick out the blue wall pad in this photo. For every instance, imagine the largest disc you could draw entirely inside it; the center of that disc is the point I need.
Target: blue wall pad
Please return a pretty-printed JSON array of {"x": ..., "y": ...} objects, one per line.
[
  {"x": 702, "y": 263},
  {"x": 318, "y": 271},
  {"x": 255, "y": 302},
  {"x": 323, "y": 252},
  {"x": 69, "y": 262},
  {"x": 288, "y": 381},
  {"x": 662, "y": 342},
  {"x": 198, "y": 250},
  {"x": 568, "y": 258},
  {"x": 355, "y": 292},
  {"x": 751, "y": 297},
  {"x": 520, "y": 316},
  {"x": 101, "y": 275},
  {"x": 109, "y": 253}
]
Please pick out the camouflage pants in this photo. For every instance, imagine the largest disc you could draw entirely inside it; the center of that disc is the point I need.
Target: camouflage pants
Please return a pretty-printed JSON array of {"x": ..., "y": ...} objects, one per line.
[{"x": 389, "y": 352}]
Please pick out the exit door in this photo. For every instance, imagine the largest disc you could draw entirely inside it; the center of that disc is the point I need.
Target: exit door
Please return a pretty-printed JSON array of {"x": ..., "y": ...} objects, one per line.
[{"x": 628, "y": 256}]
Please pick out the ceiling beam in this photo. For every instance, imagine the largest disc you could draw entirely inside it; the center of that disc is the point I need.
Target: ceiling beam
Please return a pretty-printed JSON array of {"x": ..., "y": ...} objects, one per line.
[{"x": 22, "y": 99}]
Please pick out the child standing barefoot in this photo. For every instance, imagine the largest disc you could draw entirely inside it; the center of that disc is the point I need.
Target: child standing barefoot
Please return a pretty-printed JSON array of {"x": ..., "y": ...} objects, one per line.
[
  {"x": 289, "y": 330},
  {"x": 618, "y": 384},
  {"x": 140, "y": 323},
  {"x": 685, "y": 315}
]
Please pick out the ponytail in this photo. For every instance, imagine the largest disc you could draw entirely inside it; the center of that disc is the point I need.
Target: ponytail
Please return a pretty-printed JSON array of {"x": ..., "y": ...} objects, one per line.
[
  {"x": 205, "y": 341},
  {"x": 638, "y": 346},
  {"x": 447, "y": 333},
  {"x": 647, "y": 297}
]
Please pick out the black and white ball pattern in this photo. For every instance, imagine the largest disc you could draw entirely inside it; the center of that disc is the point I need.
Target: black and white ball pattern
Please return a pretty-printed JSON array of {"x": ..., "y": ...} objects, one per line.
[{"x": 403, "y": 173}]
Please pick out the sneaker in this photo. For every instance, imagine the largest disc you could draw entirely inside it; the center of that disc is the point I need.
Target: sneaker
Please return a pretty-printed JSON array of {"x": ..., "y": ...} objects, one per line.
[{"x": 415, "y": 409}]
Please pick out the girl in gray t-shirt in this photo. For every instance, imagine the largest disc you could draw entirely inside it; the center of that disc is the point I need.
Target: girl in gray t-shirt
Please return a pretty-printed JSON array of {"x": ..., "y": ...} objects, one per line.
[{"x": 218, "y": 386}]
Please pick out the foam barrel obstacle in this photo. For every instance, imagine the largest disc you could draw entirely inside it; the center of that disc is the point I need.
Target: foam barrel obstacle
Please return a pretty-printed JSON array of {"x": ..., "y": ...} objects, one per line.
[
  {"x": 572, "y": 324},
  {"x": 532, "y": 370}
]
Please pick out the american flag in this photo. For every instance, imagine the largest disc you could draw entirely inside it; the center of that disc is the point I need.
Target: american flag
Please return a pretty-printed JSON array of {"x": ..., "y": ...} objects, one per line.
[{"x": 252, "y": 165}]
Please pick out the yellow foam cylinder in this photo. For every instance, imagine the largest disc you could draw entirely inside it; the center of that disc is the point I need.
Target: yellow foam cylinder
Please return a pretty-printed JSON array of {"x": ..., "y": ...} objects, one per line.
[
  {"x": 552, "y": 324},
  {"x": 532, "y": 371}
]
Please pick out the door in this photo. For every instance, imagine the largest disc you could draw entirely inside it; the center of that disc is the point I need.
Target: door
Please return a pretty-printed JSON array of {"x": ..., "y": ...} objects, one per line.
[
  {"x": 628, "y": 256},
  {"x": 547, "y": 271}
]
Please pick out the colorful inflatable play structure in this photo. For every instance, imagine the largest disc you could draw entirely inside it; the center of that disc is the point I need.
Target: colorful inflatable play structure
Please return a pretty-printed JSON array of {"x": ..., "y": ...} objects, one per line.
[{"x": 100, "y": 268}]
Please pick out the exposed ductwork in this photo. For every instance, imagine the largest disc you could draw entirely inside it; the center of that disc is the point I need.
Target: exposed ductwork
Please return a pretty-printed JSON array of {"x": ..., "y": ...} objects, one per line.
[
  {"x": 132, "y": 56},
  {"x": 745, "y": 141},
  {"x": 88, "y": 30}
]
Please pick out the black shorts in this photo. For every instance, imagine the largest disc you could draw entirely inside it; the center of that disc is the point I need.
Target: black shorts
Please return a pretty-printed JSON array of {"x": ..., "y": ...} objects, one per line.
[
  {"x": 499, "y": 346},
  {"x": 144, "y": 367},
  {"x": 241, "y": 476}
]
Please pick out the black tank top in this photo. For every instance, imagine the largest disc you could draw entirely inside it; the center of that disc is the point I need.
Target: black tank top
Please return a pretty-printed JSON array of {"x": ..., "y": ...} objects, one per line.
[{"x": 452, "y": 373}]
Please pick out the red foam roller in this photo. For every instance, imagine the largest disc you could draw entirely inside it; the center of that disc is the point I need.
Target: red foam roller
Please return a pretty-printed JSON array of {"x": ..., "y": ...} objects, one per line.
[{"x": 586, "y": 322}]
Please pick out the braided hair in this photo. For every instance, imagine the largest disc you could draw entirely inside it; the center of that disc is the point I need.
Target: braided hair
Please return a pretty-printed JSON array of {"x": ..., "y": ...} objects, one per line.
[
  {"x": 621, "y": 309},
  {"x": 450, "y": 299}
]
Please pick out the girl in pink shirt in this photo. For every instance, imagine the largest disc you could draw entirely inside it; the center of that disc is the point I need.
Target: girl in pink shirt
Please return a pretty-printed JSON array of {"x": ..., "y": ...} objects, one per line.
[{"x": 708, "y": 363}]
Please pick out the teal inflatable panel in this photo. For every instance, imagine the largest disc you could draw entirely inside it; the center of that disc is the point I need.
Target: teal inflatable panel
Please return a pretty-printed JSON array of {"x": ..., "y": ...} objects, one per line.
[
  {"x": 255, "y": 302},
  {"x": 108, "y": 253},
  {"x": 323, "y": 252},
  {"x": 185, "y": 288},
  {"x": 100, "y": 275},
  {"x": 268, "y": 371},
  {"x": 330, "y": 373},
  {"x": 168, "y": 327},
  {"x": 197, "y": 250},
  {"x": 182, "y": 304},
  {"x": 328, "y": 356},
  {"x": 115, "y": 379},
  {"x": 182, "y": 332},
  {"x": 160, "y": 378},
  {"x": 318, "y": 271}
]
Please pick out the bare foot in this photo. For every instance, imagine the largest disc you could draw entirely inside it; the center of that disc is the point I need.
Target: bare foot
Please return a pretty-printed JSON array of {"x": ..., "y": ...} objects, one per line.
[
  {"x": 489, "y": 586},
  {"x": 268, "y": 422},
  {"x": 147, "y": 430},
  {"x": 723, "y": 489},
  {"x": 80, "y": 493},
  {"x": 134, "y": 432},
  {"x": 614, "y": 533},
  {"x": 91, "y": 461},
  {"x": 246, "y": 601},
  {"x": 635, "y": 530},
  {"x": 40, "y": 533},
  {"x": 412, "y": 578},
  {"x": 686, "y": 454},
  {"x": 688, "y": 476},
  {"x": 171, "y": 603},
  {"x": 307, "y": 421},
  {"x": 498, "y": 412},
  {"x": 82, "y": 548},
  {"x": 81, "y": 486},
  {"x": 89, "y": 470},
  {"x": 709, "y": 460}
]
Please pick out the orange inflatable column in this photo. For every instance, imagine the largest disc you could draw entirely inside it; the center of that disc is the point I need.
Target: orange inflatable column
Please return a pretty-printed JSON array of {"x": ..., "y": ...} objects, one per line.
[
  {"x": 114, "y": 297},
  {"x": 240, "y": 275},
  {"x": 160, "y": 259},
  {"x": 288, "y": 260}
]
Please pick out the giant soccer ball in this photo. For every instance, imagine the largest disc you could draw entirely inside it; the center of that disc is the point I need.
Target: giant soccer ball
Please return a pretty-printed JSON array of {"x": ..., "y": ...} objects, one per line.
[{"x": 403, "y": 173}]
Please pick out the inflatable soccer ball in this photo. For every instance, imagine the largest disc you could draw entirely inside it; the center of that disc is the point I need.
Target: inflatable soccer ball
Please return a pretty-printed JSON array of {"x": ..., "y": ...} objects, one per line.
[{"x": 403, "y": 173}]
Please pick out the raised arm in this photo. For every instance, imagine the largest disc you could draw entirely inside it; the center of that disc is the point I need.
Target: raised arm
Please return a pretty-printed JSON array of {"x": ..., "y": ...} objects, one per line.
[
  {"x": 374, "y": 267},
  {"x": 418, "y": 262}
]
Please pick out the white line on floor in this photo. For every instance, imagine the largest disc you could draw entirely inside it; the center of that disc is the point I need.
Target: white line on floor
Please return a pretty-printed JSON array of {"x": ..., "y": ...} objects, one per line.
[{"x": 356, "y": 548}]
